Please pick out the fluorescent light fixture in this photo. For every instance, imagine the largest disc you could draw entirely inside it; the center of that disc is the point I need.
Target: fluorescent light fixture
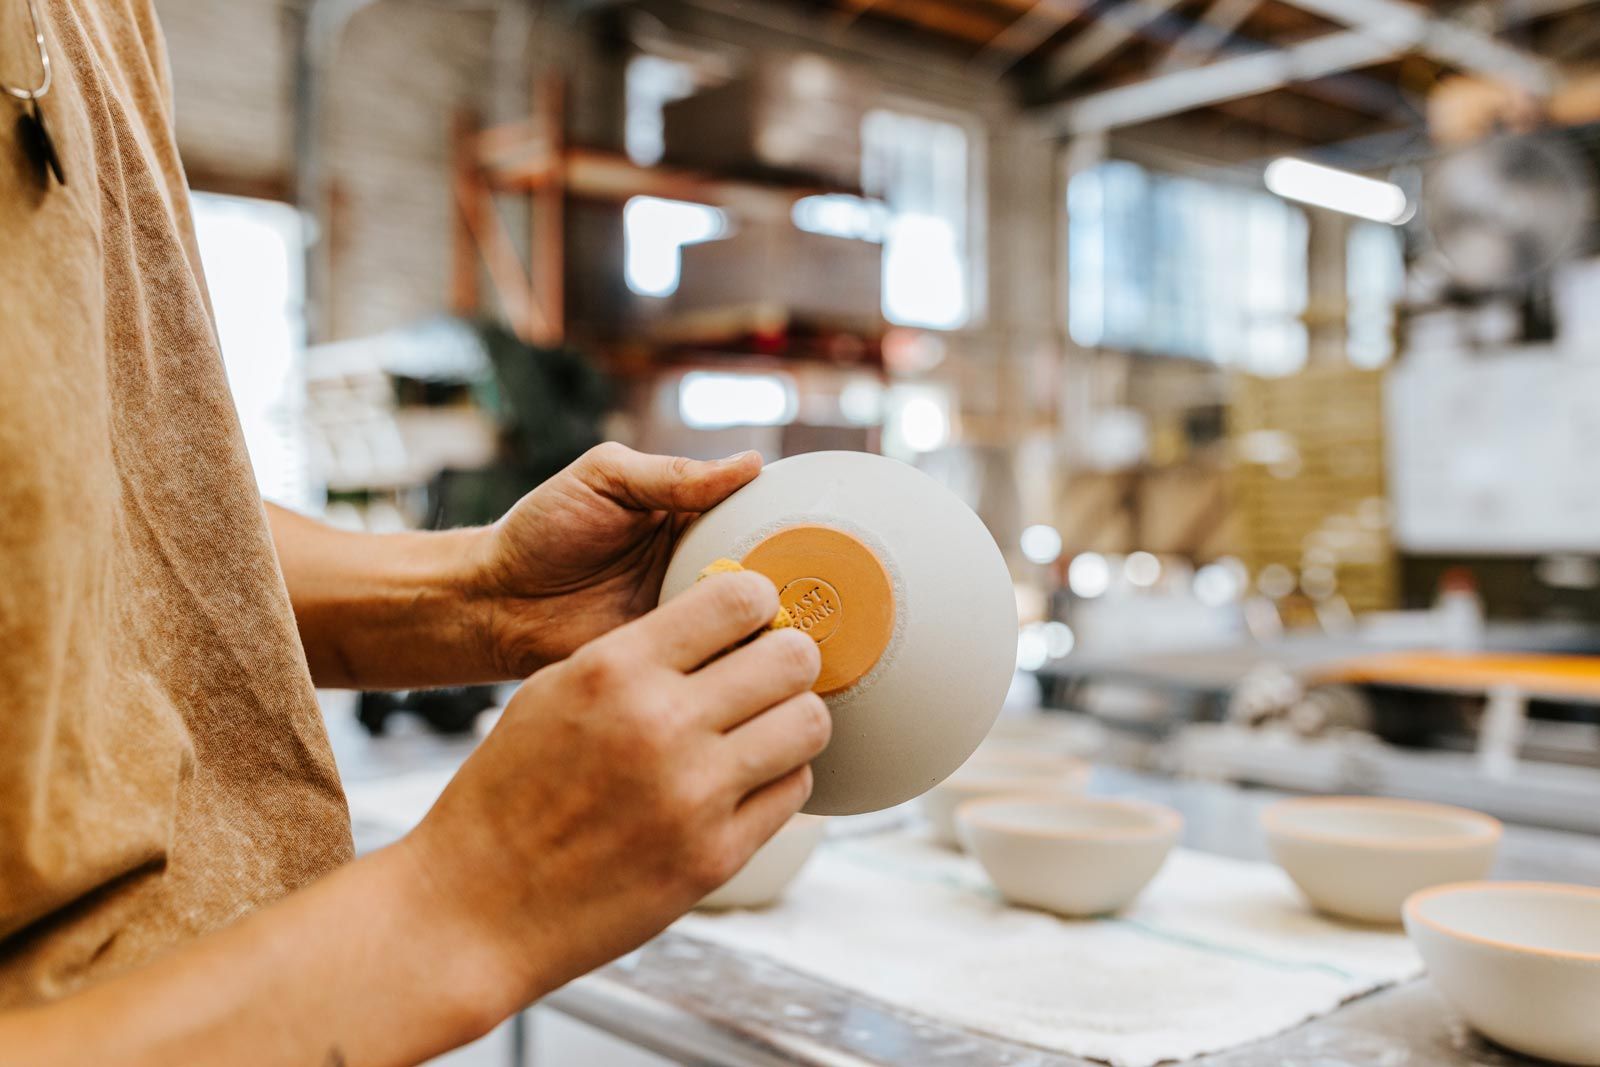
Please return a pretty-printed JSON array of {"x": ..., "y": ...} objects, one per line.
[
  {"x": 1337, "y": 190},
  {"x": 708, "y": 400}
]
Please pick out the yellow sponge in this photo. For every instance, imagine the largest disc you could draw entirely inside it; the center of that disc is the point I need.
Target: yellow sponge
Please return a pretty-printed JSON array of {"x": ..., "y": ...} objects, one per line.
[{"x": 728, "y": 566}]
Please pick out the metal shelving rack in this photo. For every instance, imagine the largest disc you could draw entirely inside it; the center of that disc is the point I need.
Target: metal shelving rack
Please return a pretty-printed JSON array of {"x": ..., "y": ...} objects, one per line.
[{"x": 532, "y": 158}]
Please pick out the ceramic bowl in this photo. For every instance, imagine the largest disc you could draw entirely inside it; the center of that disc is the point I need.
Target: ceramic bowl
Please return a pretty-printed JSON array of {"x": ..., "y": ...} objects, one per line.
[
  {"x": 1520, "y": 960},
  {"x": 1361, "y": 857},
  {"x": 1077, "y": 856},
  {"x": 762, "y": 881},
  {"x": 992, "y": 773},
  {"x": 907, "y": 597}
]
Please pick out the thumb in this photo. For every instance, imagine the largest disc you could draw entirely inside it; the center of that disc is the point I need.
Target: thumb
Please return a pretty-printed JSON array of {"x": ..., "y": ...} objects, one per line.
[{"x": 668, "y": 483}]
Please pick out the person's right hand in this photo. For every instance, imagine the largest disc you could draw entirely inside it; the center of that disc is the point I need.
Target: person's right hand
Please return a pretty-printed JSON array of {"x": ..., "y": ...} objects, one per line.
[{"x": 623, "y": 784}]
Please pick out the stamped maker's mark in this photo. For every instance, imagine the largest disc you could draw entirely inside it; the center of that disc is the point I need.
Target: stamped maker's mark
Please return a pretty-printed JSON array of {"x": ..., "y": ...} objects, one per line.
[{"x": 814, "y": 606}]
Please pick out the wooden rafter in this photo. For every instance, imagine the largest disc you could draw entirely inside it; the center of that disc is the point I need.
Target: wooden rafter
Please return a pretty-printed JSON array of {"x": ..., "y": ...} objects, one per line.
[
  {"x": 972, "y": 23},
  {"x": 1219, "y": 22},
  {"x": 1115, "y": 27},
  {"x": 1445, "y": 39},
  {"x": 1022, "y": 37},
  {"x": 1301, "y": 117}
]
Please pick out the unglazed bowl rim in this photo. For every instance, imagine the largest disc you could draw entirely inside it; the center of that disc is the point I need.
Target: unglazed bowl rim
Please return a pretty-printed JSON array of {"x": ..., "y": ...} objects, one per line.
[
  {"x": 1164, "y": 820},
  {"x": 1413, "y": 914},
  {"x": 1485, "y": 829}
]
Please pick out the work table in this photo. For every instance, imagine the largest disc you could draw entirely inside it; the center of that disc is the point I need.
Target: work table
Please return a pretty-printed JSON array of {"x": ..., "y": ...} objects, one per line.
[{"x": 705, "y": 1004}]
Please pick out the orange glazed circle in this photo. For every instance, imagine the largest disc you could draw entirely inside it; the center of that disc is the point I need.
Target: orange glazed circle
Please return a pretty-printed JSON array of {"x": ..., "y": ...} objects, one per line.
[{"x": 836, "y": 590}]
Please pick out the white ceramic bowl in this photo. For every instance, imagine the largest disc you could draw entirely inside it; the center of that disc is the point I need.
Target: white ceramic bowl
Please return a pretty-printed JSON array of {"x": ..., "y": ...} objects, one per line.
[
  {"x": 1077, "y": 856},
  {"x": 992, "y": 773},
  {"x": 907, "y": 596},
  {"x": 762, "y": 881},
  {"x": 1520, "y": 960},
  {"x": 1361, "y": 857}
]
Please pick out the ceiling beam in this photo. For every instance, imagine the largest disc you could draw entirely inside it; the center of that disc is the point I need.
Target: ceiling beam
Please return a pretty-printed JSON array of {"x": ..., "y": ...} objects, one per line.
[
  {"x": 949, "y": 18},
  {"x": 1506, "y": 15},
  {"x": 1115, "y": 27},
  {"x": 1022, "y": 37},
  {"x": 1210, "y": 32},
  {"x": 1443, "y": 39},
  {"x": 1357, "y": 92},
  {"x": 1225, "y": 79}
]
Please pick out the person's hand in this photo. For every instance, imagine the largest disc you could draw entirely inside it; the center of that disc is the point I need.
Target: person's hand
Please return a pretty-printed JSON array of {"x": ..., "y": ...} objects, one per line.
[
  {"x": 624, "y": 783},
  {"x": 585, "y": 552}
]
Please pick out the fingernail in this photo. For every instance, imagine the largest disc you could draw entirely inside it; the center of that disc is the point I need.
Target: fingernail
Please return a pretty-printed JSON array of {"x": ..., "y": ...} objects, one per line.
[{"x": 739, "y": 456}]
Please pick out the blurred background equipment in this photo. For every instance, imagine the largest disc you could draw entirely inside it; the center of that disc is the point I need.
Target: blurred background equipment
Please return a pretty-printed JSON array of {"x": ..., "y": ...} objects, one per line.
[{"x": 1259, "y": 332}]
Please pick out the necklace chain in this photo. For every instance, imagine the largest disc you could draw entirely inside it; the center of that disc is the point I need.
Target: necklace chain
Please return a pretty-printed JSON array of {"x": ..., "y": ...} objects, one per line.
[{"x": 44, "y": 61}]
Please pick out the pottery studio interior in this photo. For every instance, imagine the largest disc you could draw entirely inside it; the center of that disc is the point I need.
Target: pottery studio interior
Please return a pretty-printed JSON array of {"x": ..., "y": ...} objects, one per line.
[{"x": 1111, "y": 486}]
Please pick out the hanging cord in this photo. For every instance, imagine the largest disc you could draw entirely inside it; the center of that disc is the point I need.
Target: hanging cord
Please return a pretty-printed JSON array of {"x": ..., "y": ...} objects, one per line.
[{"x": 44, "y": 61}]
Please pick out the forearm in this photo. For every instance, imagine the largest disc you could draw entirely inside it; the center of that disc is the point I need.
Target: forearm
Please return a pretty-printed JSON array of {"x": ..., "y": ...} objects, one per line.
[
  {"x": 383, "y": 611},
  {"x": 363, "y": 967}
]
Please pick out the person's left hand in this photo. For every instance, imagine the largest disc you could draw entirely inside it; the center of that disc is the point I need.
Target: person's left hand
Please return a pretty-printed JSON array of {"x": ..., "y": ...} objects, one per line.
[{"x": 585, "y": 552}]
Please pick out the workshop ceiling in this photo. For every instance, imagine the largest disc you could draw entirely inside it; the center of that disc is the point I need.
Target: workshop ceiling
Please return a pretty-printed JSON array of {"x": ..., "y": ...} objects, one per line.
[{"x": 1315, "y": 71}]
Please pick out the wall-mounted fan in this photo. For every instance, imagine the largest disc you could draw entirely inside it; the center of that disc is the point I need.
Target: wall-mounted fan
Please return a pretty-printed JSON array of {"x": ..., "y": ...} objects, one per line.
[{"x": 1502, "y": 212}]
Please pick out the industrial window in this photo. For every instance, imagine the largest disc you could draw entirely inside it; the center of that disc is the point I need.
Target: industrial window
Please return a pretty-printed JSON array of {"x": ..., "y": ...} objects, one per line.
[
  {"x": 916, "y": 169},
  {"x": 919, "y": 167},
  {"x": 1177, "y": 266},
  {"x": 1374, "y": 278},
  {"x": 251, "y": 251}
]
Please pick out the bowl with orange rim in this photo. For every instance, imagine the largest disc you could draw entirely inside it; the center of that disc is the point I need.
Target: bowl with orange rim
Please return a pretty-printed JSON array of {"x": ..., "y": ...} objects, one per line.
[
  {"x": 1359, "y": 858},
  {"x": 907, "y": 596},
  {"x": 1519, "y": 960}
]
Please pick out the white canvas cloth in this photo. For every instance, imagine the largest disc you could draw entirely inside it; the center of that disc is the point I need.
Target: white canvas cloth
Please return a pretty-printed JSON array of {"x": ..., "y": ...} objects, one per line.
[{"x": 1214, "y": 954}]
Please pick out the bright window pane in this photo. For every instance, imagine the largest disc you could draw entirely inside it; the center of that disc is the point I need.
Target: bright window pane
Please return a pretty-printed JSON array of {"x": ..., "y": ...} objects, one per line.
[
  {"x": 1177, "y": 266},
  {"x": 1374, "y": 278},
  {"x": 653, "y": 232},
  {"x": 251, "y": 252},
  {"x": 918, "y": 167}
]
